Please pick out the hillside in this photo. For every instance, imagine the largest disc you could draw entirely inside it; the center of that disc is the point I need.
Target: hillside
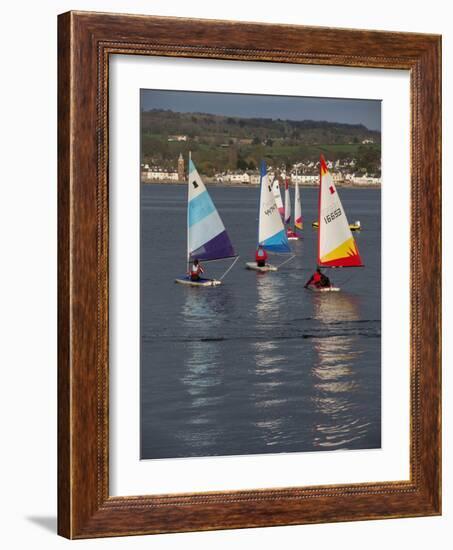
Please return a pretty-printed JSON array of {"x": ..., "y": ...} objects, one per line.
[{"x": 221, "y": 143}]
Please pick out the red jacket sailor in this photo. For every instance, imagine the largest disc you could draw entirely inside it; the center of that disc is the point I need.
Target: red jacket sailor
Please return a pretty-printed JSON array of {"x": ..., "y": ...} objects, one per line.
[{"x": 260, "y": 256}]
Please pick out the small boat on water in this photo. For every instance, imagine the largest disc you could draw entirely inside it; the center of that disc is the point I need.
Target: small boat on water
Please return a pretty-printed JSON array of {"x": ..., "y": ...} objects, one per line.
[
  {"x": 200, "y": 282},
  {"x": 207, "y": 239},
  {"x": 271, "y": 231},
  {"x": 291, "y": 233},
  {"x": 314, "y": 288},
  {"x": 356, "y": 226},
  {"x": 298, "y": 222},
  {"x": 261, "y": 269},
  {"x": 278, "y": 196},
  {"x": 336, "y": 245}
]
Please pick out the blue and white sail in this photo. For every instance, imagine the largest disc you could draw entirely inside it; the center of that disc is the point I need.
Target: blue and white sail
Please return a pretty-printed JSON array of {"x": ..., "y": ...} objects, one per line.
[
  {"x": 271, "y": 232},
  {"x": 207, "y": 238}
]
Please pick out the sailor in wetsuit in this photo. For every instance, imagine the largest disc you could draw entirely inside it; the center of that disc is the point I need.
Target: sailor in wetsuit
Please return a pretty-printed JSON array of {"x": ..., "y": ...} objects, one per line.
[
  {"x": 196, "y": 270},
  {"x": 318, "y": 279},
  {"x": 260, "y": 256}
]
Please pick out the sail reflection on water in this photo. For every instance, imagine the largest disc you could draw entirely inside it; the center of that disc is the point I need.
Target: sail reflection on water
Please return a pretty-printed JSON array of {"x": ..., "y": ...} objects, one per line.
[
  {"x": 202, "y": 378},
  {"x": 266, "y": 352},
  {"x": 335, "y": 372},
  {"x": 267, "y": 394}
]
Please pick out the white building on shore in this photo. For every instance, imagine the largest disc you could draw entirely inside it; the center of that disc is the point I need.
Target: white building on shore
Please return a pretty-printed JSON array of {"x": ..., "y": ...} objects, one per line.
[
  {"x": 309, "y": 176},
  {"x": 236, "y": 177},
  {"x": 304, "y": 179},
  {"x": 154, "y": 174},
  {"x": 177, "y": 138},
  {"x": 362, "y": 179},
  {"x": 239, "y": 177}
]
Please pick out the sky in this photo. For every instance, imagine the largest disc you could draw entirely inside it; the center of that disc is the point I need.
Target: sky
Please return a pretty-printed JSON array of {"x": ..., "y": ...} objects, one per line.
[{"x": 350, "y": 111}]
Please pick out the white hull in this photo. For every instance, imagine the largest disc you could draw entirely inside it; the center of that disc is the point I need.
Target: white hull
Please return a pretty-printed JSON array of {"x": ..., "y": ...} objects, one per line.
[
  {"x": 201, "y": 282},
  {"x": 323, "y": 289},
  {"x": 264, "y": 269}
]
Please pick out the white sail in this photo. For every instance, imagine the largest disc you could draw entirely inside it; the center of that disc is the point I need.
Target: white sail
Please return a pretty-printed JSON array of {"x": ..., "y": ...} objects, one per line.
[
  {"x": 271, "y": 232},
  {"x": 298, "y": 223},
  {"x": 287, "y": 203},
  {"x": 278, "y": 196}
]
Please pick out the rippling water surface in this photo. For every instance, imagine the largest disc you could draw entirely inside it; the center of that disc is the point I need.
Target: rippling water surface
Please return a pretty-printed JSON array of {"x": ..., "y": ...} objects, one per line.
[{"x": 258, "y": 365}]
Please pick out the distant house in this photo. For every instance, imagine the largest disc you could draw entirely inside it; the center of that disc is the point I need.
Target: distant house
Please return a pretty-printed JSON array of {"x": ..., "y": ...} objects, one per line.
[
  {"x": 304, "y": 178},
  {"x": 172, "y": 176},
  {"x": 159, "y": 174},
  {"x": 239, "y": 177},
  {"x": 361, "y": 179},
  {"x": 366, "y": 141},
  {"x": 177, "y": 138}
]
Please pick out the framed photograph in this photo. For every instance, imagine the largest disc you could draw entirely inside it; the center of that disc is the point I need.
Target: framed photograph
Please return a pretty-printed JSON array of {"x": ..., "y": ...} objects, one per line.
[{"x": 249, "y": 275}]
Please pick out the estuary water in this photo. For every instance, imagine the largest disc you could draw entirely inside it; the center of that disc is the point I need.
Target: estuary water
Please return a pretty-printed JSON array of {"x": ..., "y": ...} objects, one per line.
[{"x": 259, "y": 364}]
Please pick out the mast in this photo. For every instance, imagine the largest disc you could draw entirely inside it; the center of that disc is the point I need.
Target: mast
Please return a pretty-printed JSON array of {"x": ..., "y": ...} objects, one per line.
[
  {"x": 296, "y": 199},
  {"x": 187, "y": 228},
  {"x": 261, "y": 198},
  {"x": 298, "y": 224},
  {"x": 319, "y": 212},
  {"x": 287, "y": 202}
]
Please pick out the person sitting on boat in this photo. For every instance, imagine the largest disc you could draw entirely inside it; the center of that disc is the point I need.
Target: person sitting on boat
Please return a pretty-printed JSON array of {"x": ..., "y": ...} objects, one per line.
[
  {"x": 318, "y": 279},
  {"x": 260, "y": 256},
  {"x": 196, "y": 270}
]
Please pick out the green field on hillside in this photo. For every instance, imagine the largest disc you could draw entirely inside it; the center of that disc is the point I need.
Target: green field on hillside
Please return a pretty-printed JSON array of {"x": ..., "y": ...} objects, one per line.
[{"x": 221, "y": 143}]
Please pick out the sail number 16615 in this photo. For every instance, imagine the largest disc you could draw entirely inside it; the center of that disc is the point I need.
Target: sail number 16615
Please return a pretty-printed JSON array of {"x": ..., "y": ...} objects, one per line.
[{"x": 333, "y": 215}]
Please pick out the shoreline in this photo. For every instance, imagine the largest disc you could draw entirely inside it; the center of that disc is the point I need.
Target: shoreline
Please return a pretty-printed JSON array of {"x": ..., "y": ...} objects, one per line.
[{"x": 256, "y": 185}]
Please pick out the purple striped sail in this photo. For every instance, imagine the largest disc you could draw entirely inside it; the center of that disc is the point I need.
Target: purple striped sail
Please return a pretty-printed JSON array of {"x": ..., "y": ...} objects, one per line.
[{"x": 207, "y": 237}]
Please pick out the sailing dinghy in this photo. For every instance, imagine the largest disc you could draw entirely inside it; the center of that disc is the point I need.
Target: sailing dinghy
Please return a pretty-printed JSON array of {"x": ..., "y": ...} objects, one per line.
[
  {"x": 271, "y": 231},
  {"x": 292, "y": 236},
  {"x": 278, "y": 196},
  {"x": 298, "y": 222},
  {"x": 336, "y": 245},
  {"x": 207, "y": 239}
]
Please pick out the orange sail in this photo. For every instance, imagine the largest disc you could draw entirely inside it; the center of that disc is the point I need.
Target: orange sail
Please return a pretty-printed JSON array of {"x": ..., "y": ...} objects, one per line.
[{"x": 336, "y": 245}]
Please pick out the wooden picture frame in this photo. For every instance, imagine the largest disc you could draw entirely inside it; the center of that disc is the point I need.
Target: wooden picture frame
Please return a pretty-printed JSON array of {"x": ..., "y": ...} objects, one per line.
[{"x": 85, "y": 41}]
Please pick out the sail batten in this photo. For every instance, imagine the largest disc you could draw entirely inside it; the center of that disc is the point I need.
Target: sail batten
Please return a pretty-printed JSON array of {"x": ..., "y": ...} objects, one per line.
[
  {"x": 207, "y": 238},
  {"x": 336, "y": 245},
  {"x": 271, "y": 231}
]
